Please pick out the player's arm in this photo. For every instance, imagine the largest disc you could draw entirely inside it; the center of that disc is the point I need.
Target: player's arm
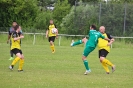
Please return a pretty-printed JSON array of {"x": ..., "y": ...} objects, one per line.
[
  {"x": 103, "y": 37},
  {"x": 56, "y": 32},
  {"x": 9, "y": 36},
  {"x": 47, "y": 33},
  {"x": 21, "y": 32},
  {"x": 17, "y": 38},
  {"x": 111, "y": 39}
]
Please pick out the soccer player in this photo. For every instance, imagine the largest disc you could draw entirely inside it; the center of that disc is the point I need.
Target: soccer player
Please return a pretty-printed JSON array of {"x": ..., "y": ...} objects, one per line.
[
  {"x": 104, "y": 49},
  {"x": 11, "y": 30},
  {"x": 51, "y": 36},
  {"x": 90, "y": 45},
  {"x": 15, "y": 48}
]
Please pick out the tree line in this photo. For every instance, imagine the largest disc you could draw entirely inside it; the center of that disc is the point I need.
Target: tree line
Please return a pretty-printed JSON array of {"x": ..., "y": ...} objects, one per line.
[{"x": 70, "y": 16}]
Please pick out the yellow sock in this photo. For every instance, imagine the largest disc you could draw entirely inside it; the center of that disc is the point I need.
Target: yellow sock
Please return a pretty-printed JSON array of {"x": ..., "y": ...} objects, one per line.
[
  {"x": 108, "y": 62},
  {"x": 15, "y": 60},
  {"x": 21, "y": 64},
  {"x": 105, "y": 66},
  {"x": 52, "y": 48}
]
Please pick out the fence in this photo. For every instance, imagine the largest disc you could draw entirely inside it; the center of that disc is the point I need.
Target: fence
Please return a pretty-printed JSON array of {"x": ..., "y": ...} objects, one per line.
[{"x": 60, "y": 40}]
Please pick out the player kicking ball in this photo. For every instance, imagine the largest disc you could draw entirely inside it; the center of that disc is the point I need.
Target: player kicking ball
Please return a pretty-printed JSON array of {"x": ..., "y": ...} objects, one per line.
[
  {"x": 15, "y": 48},
  {"x": 90, "y": 45}
]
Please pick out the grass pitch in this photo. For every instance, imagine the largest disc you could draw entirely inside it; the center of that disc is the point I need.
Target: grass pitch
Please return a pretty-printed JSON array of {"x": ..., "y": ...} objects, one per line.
[{"x": 65, "y": 69}]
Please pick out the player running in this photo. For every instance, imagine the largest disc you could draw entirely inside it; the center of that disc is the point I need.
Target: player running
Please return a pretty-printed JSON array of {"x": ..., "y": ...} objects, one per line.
[
  {"x": 104, "y": 49},
  {"x": 15, "y": 48},
  {"x": 11, "y": 30},
  {"x": 90, "y": 45},
  {"x": 51, "y": 36}
]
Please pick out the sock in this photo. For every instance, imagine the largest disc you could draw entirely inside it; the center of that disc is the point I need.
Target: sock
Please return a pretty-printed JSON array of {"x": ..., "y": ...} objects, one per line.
[
  {"x": 105, "y": 66},
  {"x": 52, "y": 48},
  {"x": 11, "y": 53},
  {"x": 21, "y": 64},
  {"x": 86, "y": 65},
  {"x": 77, "y": 43},
  {"x": 108, "y": 62},
  {"x": 15, "y": 60}
]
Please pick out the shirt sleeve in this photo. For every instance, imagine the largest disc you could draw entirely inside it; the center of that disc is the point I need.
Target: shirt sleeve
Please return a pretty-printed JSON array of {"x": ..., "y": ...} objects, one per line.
[
  {"x": 20, "y": 33},
  {"x": 109, "y": 36},
  {"x": 101, "y": 36},
  {"x": 55, "y": 26},
  {"x": 9, "y": 32},
  {"x": 14, "y": 35}
]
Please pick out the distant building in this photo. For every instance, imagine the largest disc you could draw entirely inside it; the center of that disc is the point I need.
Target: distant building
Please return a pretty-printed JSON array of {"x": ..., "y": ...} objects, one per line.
[{"x": 50, "y": 7}]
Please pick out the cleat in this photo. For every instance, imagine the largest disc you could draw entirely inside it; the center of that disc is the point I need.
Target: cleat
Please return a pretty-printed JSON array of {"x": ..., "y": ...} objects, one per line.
[
  {"x": 53, "y": 51},
  {"x": 11, "y": 67},
  {"x": 87, "y": 72},
  {"x": 107, "y": 72},
  {"x": 20, "y": 70},
  {"x": 72, "y": 43},
  {"x": 113, "y": 68},
  {"x": 11, "y": 58}
]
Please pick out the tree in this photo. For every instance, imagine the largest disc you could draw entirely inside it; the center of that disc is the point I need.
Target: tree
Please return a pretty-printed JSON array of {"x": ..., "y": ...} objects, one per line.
[
  {"x": 62, "y": 8},
  {"x": 42, "y": 20},
  {"x": 24, "y": 12},
  {"x": 79, "y": 19}
]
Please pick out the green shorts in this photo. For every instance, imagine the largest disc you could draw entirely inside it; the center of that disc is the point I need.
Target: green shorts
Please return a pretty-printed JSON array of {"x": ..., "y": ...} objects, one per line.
[{"x": 88, "y": 50}]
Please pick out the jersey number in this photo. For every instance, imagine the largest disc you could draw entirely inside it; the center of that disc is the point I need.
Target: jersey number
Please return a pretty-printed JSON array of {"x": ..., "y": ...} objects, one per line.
[{"x": 96, "y": 38}]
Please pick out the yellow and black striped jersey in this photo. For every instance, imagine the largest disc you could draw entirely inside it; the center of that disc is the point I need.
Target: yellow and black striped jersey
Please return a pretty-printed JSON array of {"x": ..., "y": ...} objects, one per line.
[
  {"x": 15, "y": 43},
  {"x": 51, "y": 26},
  {"x": 102, "y": 44}
]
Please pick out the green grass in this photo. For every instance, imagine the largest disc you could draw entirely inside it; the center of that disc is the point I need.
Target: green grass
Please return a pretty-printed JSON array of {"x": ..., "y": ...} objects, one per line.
[{"x": 64, "y": 69}]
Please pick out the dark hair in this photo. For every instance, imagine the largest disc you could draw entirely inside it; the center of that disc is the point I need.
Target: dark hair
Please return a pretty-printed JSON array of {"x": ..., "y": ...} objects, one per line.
[
  {"x": 16, "y": 27},
  {"x": 93, "y": 26},
  {"x": 14, "y": 21}
]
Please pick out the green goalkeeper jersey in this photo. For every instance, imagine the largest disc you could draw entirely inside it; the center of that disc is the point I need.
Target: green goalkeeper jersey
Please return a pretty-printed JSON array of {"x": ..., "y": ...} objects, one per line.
[{"x": 93, "y": 38}]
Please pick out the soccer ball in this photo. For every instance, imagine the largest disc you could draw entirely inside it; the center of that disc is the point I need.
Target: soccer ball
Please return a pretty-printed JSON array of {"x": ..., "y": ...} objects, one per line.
[{"x": 54, "y": 30}]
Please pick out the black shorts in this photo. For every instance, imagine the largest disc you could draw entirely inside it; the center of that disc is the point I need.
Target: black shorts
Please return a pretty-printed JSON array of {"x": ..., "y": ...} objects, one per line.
[
  {"x": 52, "y": 38},
  {"x": 103, "y": 53},
  {"x": 15, "y": 51}
]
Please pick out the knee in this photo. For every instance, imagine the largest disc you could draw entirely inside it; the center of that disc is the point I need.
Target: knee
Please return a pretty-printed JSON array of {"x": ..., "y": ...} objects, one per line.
[
  {"x": 83, "y": 58},
  {"x": 51, "y": 43},
  {"x": 22, "y": 57},
  {"x": 84, "y": 40},
  {"x": 101, "y": 59}
]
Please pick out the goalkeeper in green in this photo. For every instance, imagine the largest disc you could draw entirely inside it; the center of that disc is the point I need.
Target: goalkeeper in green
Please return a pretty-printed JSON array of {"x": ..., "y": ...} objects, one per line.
[{"x": 90, "y": 45}]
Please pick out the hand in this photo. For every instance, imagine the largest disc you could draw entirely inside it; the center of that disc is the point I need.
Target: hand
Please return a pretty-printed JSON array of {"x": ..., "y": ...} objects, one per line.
[
  {"x": 46, "y": 36},
  {"x": 22, "y": 36},
  {"x": 109, "y": 44},
  {"x": 56, "y": 37},
  {"x": 7, "y": 41}
]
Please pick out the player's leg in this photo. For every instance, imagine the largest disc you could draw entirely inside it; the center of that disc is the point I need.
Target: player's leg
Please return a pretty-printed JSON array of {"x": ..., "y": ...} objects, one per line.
[
  {"x": 103, "y": 60},
  {"x": 102, "y": 55},
  {"x": 51, "y": 40},
  {"x": 21, "y": 62},
  {"x": 11, "y": 54},
  {"x": 84, "y": 40},
  {"x": 18, "y": 56},
  {"x": 87, "y": 51}
]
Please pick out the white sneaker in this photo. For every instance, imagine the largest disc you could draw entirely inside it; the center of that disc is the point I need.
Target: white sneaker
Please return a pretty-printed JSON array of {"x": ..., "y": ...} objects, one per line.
[
  {"x": 10, "y": 67},
  {"x": 72, "y": 43},
  {"x": 113, "y": 68},
  {"x": 87, "y": 72}
]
